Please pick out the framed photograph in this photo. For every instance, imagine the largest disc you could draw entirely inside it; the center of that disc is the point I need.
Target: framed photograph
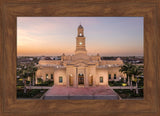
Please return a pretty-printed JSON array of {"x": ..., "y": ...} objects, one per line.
[
  {"x": 58, "y": 67},
  {"x": 91, "y": 57}
]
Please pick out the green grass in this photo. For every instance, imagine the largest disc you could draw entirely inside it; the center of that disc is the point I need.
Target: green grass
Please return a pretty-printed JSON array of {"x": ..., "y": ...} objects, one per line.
[
  {"x": 46, "y": 83},
  {"x": 20, "y": 87},
  {"x": 115, "y": 83},
  {"x": 33, "y": 93},
  {"x": 127, "y": 93}
]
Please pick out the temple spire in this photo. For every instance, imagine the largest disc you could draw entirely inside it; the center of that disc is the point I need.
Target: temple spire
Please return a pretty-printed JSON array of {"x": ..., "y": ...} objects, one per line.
[{"x": 80, "y": 41}]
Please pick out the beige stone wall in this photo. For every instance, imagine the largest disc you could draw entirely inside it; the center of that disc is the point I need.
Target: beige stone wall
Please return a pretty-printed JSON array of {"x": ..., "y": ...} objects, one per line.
[
  {"x": 95, "y": 58},
  {"x": 76, "y": 64},
  {"x": 80, "y": 48},
  {"x": 60, "y": 73},
  {"x": 66, "y": 58},
  {"x": 80, "y": 56},
  {"x": 49, "y": 62},
  {"x": 71, "y": 71},
  {"x": 101, "y": 72},
  {"x": 115, "y": 70},
  {"x": 41, "y": 73},
  {"x": 91, "y": 71},
  {"x": 87, "y": 71},
  {"x": 111, "y": 62}
]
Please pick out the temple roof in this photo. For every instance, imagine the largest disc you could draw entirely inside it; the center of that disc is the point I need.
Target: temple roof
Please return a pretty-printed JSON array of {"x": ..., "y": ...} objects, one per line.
[{"x": 80, "y": 26}]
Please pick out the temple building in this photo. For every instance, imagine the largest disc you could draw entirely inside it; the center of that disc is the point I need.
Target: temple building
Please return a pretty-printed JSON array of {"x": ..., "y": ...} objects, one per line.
[{"x": 80, "y": 69}]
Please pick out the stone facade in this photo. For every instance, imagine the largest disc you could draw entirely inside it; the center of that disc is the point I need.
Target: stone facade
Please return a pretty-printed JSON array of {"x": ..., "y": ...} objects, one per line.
[{"x": 80, "y": 69}]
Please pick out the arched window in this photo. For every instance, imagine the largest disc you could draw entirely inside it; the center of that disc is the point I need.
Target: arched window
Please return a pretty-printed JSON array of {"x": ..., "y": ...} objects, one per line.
[{"x": 80, "y": 74}]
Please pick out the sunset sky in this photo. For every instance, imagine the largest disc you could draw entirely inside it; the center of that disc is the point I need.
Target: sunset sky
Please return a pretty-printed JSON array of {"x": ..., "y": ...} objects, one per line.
[{"x": 108, "y": 36}]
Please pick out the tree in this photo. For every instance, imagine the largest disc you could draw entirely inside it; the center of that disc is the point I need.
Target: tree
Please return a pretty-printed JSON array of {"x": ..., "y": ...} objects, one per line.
[
  {"x": 40, "y": 80},
  {"x": 137, "y": 71},
  {"x": 126, "y": 69}
]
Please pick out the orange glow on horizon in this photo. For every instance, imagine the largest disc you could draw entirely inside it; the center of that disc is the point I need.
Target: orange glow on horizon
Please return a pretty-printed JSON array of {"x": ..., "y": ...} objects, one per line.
[{"x": 53, "y": 36}]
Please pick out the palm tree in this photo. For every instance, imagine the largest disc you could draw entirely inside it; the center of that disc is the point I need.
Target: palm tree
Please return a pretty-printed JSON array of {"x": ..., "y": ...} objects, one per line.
[
  {"x": 126, "y": 69},
  {"x": 137, "y": 71}
]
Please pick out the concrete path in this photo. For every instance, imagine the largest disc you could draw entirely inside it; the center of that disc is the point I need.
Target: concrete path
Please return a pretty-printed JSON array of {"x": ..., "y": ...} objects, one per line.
[
  {"x": 38, "y": 87},
  {"x": 46, "y": 87},
  {"x": 121, "y": 87},
  {"x": 63, "y": 92}
]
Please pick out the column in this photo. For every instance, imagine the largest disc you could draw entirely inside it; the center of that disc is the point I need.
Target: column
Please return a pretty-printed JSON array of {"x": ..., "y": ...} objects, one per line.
[
  {"x": 36, "y": 80},
  {"x": 94, "y": 76},
  {"x": 67, "y": 76},
  {"x": 76, "y": 78},
  {"x": 67, "y": 80},
  {"x": 94, "y": 80},
  {"x": 86, "y": 77}
]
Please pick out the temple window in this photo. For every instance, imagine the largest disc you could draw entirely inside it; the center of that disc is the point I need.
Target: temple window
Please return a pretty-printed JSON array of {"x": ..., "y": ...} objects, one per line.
[
  {"x": 80, "y": 34},
  {"x": 109, "y": 76},
  {"x": 51, "y": 76},
  {"x": 60, "y": 79},
  {"x": 46, "y": 76},
  {"x": 101, "y": 79},
  {"x": 114, "y": 76}
]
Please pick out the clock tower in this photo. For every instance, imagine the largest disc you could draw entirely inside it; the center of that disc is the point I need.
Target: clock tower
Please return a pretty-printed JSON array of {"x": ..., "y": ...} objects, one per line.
[{"x": 80, "y": 41}]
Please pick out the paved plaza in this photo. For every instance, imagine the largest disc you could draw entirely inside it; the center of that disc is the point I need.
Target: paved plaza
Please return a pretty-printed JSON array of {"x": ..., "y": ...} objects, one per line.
[{"x": 63, "y": 92}]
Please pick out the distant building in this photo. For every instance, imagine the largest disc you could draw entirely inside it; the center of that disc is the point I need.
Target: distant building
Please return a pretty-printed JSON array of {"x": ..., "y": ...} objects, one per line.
[
  {"x": 31, "y": 59},
  {"x": 79, "y": 69}
]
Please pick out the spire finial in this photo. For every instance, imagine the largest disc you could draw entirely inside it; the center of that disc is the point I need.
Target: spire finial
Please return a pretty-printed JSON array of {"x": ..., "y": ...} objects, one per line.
[{"x": 80, "y": 26}]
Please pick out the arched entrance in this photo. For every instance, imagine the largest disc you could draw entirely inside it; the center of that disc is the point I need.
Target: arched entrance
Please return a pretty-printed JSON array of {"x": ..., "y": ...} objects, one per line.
[
  {"x": 80, "y": 79},
  {"x": 70, "y": 80},
  {"x": 91, "y": 81}
]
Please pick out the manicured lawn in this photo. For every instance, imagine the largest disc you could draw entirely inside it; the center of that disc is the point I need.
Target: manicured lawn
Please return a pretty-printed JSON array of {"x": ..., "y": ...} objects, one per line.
[
  {"x": 20, "y": 87},
  {"x": 46, "y": 83},
  {"x": 127, "y": 93},
  {"x": 33, "y": 93},
  {"x": 115, "y": 83},
  {"x": 119, "y": 83},
  {"x": 20, "y": 83}
]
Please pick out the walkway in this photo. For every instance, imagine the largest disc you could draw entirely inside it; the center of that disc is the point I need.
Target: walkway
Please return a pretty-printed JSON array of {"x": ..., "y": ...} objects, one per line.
[
  {"x": 63, "y": 92},
  {"x": 121, "y": 87},
  {"x": 46, "y": 87},
  {"x": 38, "y": 87}
]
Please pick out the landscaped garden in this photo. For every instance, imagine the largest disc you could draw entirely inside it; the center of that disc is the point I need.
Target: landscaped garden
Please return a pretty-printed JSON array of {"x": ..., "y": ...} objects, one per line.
[
  {"x": 116, "y": 83},
  {"x": 135, "y": 78},
  {"x": 30, "y": 93},
  {"x": 127, "y": 93},
  {"x": 20, "y": 83},
  {"x": 121, "y": 83},
  {"x": 46, "y": 83}
]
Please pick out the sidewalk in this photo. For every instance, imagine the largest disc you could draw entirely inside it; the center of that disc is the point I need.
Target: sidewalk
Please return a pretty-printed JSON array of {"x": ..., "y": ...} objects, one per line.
[
  {"x": 98, "y": 92},
  {"x": 121, "y": 87},
  {"x": 46, "y": 87},
  {"x": 38, "y": 87}
]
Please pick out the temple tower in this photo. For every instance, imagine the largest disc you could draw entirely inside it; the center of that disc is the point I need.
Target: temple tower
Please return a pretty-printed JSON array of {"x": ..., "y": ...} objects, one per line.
[{"x": 80, "y": 41}]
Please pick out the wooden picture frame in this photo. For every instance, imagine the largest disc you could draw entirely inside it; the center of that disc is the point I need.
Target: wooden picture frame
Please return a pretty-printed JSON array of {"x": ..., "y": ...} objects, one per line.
[{"x": 9, "y": 10}]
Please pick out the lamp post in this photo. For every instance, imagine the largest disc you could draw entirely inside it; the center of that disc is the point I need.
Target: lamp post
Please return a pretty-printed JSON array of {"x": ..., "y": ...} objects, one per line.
[
  {"x": 33, "y": 80},
  {"x": 137, "y": 85},
  {"x": 25, "y": 89},
  {"x": 30, "y": 83}
]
